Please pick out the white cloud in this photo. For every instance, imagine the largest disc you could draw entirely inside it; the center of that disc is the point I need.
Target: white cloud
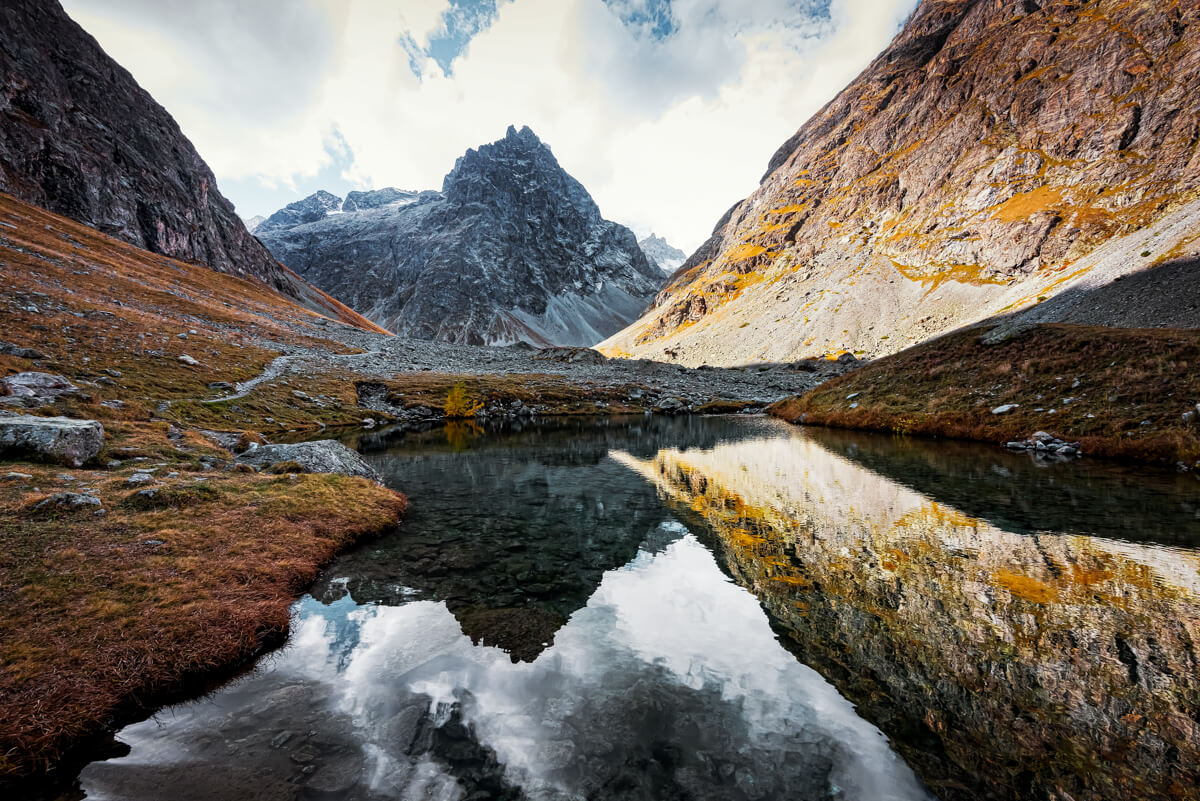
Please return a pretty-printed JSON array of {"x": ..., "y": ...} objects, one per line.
[{"x": 665, "y": 132}]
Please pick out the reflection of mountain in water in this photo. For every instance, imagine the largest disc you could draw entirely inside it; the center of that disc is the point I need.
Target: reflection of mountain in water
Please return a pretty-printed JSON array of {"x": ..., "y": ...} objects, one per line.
[
  {"x": 1020, "y": 494},
  {"x": 1003, "y": 665},
  {"x": 513, "y": 530}
]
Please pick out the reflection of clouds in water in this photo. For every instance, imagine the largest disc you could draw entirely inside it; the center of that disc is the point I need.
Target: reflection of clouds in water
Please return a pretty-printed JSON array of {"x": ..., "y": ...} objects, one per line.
[
  {"x": 668, "y": 684},
  {"x": 678, "y": 612},
  {"x": 672, "y": 620}
]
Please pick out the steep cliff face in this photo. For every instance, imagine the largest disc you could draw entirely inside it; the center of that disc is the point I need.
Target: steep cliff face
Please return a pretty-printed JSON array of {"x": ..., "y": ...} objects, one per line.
[
  {"x": 79, "y": 137},
  {"x": 998, "y": 152},
  {"x": 513, "y": 249}
]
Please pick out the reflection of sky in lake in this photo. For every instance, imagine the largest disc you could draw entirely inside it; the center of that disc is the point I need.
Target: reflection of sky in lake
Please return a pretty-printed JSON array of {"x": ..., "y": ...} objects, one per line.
[
  {"x": 668, "y": 655},
  {"x": 1003, "y": 621}
]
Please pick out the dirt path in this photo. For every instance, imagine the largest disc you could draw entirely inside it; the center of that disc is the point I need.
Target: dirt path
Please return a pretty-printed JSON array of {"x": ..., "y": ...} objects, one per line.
[{"x": 278, "y": 366}]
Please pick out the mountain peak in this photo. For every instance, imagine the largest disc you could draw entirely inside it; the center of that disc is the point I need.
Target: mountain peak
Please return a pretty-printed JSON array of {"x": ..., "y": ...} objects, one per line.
[
  {"x": 659, "y": 251},
  {"x": 525, "y": 136},
  {"x": 512, "y": 250},
  {"x": 312, "y": 208},
  {"x": 516, "y": 170}
]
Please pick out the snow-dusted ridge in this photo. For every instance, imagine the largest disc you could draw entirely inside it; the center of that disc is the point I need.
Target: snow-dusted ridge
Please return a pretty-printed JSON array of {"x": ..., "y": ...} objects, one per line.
[{"x": 512, "y": 249}]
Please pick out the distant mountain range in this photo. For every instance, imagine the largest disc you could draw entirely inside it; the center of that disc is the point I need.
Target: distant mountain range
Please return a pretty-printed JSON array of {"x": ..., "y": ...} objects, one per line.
[
  {"x": 80, "y": 138},
  {"x": 512, "y": 249},
  {"x": 998, "y": 158},
  {"x": 658, "y": 250}
]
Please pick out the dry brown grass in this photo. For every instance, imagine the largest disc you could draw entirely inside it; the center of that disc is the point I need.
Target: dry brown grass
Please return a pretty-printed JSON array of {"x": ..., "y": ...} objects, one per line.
[
  {"x": 948, "y": 387},
  {"x": 552, "y": 392},
  {"x": 101, "y": 305},
  {"x": 329, "y": 399},
  {"x": 96, "y": 623},
  {"x": 99, "y": 623}
]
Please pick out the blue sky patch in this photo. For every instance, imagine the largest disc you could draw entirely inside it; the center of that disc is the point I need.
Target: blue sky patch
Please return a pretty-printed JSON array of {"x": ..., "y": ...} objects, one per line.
[
  {"x": 651, "y": 17},
  {"x": 462, "y": 22}
]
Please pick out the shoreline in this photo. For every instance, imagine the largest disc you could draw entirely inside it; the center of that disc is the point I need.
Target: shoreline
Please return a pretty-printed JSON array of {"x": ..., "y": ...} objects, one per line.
[{"x": 1127, "y": 395}]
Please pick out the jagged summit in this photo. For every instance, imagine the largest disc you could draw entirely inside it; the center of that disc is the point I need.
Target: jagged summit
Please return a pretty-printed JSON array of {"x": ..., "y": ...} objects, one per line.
[
  {"x": 513, "y": 249},
  {"x": 310, "y": 209},
  {"x": 518, "y": 171}
]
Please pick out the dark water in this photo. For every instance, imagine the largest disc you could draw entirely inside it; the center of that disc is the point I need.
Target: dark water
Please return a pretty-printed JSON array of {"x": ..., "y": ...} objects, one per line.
[{"x": 721, "y": 608}]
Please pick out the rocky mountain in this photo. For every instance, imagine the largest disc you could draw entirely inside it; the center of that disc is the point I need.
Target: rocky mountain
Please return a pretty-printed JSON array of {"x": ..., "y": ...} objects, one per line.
[
  {"x": 994, "y": 156},
  {"x": 253, "y": 223},
  {"x": 512, "y": 249},
  {"x": 658, "y": 250},
  {"x": 79, "y": 137}
]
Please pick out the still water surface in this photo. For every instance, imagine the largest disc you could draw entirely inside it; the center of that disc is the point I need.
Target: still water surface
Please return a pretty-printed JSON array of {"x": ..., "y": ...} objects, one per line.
[{"x": 720, "y": 608}]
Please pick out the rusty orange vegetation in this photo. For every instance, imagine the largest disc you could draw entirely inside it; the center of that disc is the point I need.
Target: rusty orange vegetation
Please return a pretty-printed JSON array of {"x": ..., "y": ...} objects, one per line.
[
  {"x": 98, "y": 623},
  {"x": 108, "y": 298},
  {"x": 1102, "y": 383}
]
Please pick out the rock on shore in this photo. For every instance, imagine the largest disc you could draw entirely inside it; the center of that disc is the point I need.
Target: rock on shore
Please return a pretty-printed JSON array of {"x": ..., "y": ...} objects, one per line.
[{"x": 323, "y": 456}]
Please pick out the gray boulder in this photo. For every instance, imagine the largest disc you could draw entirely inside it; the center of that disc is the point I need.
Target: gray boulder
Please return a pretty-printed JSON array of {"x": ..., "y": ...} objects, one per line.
[
  {"x": 33, "y": 389},
  {"x": 570, "y": 355},
  {"x": 69, "y": 502},
  {"x": 56, "y": 439},
  {"x": 9, "y": 349},
  {"x": 323, "y": 456}
]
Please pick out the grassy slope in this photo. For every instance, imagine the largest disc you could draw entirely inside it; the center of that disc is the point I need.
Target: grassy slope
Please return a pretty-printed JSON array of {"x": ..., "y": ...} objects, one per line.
[
  {"x": 95, "y": 624},
  {"x": 1115, "y": 380},
  {"x": 99, "y": 621}
]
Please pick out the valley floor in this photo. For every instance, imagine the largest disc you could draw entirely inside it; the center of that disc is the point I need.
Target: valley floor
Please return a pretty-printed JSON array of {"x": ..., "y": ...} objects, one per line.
[{"x": 114, "y": 604}]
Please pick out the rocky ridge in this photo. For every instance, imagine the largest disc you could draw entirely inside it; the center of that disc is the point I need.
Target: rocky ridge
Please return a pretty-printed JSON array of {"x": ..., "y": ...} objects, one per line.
[
  {"x": 80, "y": 137},
  {"x": 995, "y": 155},
  {"x": 512, "y": 249}
]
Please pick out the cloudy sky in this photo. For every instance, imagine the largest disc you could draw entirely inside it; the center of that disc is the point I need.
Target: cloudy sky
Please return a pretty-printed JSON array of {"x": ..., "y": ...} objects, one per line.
[{"x": 666, "y": 110}]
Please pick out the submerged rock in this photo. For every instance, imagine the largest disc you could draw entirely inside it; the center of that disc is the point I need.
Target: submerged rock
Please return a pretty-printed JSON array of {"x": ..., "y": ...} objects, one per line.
[
  {"x": 56, "y": 439},
  {"x": 323, "y": 456}
]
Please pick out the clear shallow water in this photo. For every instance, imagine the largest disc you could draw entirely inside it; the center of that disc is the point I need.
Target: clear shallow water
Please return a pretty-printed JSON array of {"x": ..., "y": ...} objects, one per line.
[{"x": 720, "y": 608}]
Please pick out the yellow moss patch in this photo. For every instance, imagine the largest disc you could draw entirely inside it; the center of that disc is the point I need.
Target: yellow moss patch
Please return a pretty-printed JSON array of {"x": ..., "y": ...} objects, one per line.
[
  {"x": 1023, "y": 206},
  {"x": 1026, "y": 587},
  {"x": 971, "y": 274},
  {"x": 744, "y": 252}
]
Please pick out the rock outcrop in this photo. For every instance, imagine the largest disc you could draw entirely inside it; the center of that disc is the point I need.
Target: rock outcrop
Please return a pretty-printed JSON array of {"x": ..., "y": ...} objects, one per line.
[
  {"x": 513, "y": 249},
  {"x": 995, "y": 155},
  {"x": 54, "y": 439},
  {"x": 323, "y": 456},
  {"x": 80, "y": 137},
  {"x": 34, "y": 389}
]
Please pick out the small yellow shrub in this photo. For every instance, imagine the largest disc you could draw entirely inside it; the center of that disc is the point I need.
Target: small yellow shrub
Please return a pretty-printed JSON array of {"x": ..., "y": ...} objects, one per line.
[{"x": 460, "y": 404}]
